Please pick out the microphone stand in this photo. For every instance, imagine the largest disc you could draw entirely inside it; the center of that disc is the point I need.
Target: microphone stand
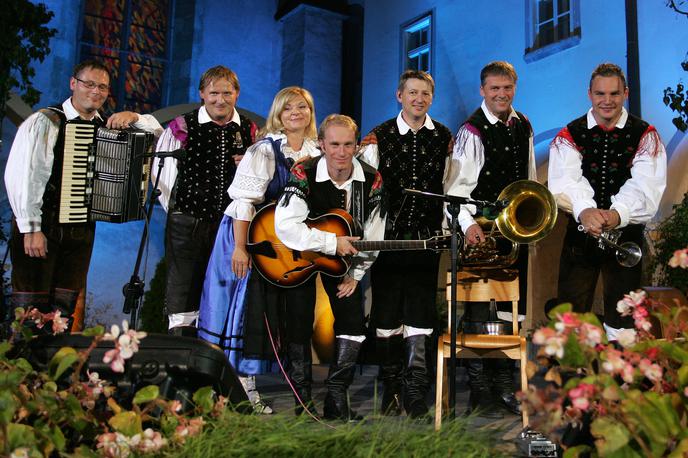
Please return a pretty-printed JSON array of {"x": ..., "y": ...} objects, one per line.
[
  {"x": 133, "y": 291},
  {"x": 453, "y": 207}
]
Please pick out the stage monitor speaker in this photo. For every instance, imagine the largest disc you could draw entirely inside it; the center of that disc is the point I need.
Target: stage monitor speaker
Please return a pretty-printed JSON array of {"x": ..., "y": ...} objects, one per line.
[{"x": 177, "y": 365}]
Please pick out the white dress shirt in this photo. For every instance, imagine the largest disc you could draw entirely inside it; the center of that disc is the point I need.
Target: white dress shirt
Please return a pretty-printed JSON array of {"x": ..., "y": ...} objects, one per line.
[
  {"x": 291, "y": 228},
  {"x": 31, "y": 158},
  {"x": 638, "y": 198},
  {"x": 467, "y": 161},
  {"x": 256, "y": 170},
  {"x": 168, "y": 142}
]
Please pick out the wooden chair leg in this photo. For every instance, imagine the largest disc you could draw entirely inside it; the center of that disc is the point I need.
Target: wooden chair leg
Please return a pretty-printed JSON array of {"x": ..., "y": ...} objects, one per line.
[
  {"x": 439, "y": 384},
  {"x": 524, "y": 378}
]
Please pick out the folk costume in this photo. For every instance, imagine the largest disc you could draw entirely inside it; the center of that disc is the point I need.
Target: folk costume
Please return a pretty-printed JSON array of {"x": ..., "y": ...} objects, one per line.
[
  {"x": 404, "y": 284},
  {"x": 623, "y": 168}
]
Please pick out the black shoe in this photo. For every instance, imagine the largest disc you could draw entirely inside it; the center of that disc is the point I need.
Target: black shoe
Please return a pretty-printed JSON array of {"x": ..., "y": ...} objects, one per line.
[
  {"x": 510, "y": 403},
  {"x": 339, "y": 379},
  {"x": 416, "y": 377},
  {"x": 481, "y": 400},
  {"x": 390, "y": 355}
]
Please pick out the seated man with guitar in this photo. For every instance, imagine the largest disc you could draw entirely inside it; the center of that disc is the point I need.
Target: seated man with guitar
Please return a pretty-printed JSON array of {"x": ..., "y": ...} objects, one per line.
[{"x": 335, "y": 180}]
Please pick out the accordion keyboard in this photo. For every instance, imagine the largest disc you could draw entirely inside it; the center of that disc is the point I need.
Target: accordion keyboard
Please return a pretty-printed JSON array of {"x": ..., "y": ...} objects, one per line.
[{"x": 77, "y": 173}]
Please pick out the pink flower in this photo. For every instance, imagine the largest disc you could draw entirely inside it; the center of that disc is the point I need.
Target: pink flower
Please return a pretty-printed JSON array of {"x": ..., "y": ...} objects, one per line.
[
  {"x": 679, "y": 259},
  {"x": 685, "y": 391},
  {"x": 22, "y": 452},
  {"x": 150, "y": 441},
  {"x": 553, "y": 342},
  {"x": 630, "y": 301},
  {"x": 650, "y": 370},
  {"x": 627, "y": 373},
  {"x": 614, "y": 361},
  {"x": 60, "y": 324},
  {"x": 567, "y": 320},
  {"x": 113, "y": 445},
  {"x": 114, "y": 359},
  {"x": 590, "y": 334},
  {"x": 580, "y": 396}
]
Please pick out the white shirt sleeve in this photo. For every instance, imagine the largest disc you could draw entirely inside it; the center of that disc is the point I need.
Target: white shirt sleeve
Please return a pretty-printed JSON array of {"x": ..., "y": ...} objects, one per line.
[
  {"x": 148, "y": 123},
  {"x": 369, "y": 154},
  {"x": 373, "y": 229},
  {"x": 467, "y": 160},
  {"x": 638, "y": 198},
  {"x": 28, "y": 169},
  {"x": 253, "y": 175},
  {"x": 168, "y": 176},
  {"x": 565, "y": 179},
  {"x": 291, "y": 228}
]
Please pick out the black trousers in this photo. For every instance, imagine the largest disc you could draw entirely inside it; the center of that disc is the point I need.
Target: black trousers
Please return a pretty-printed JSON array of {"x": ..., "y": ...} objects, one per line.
[
  {"x": 404, "y": 287},
  {"x": 581, "y": 263},
  {"x": 188, "y": 244},
  {"x": 66, "y": 265}
]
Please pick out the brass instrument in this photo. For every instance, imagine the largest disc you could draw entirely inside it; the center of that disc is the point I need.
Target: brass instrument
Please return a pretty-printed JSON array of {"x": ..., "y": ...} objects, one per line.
[
  {"x": 529, "y": 216},
  {"x": 628, "y": 254}
]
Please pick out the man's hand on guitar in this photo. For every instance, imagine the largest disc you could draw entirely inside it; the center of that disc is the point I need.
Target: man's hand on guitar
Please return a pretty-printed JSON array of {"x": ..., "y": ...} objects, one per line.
[
  {"x": 35, "y": 244},
  {"x": 344, "y": 246},
  {"x": 241, "y": 261},
  {"x": 347, "y": 287}
]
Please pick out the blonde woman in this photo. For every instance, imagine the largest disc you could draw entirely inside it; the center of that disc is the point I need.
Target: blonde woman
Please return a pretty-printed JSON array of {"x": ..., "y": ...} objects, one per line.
[{"x": 235, "y": 301}]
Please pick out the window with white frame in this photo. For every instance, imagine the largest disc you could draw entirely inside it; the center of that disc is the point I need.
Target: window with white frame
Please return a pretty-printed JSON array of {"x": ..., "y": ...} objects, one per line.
[
  {"x": 417, "y": 44},
  {"x": 553, "y": 25}
]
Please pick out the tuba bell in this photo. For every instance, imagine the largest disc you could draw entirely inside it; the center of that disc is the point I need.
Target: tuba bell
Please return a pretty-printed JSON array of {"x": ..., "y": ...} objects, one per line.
[{"x": 530, "y": 215}]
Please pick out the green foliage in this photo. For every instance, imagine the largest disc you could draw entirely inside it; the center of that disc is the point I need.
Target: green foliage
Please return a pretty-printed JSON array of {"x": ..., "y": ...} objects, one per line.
[
  {"x": 152, "y": 317},
  {"x": 672, "y": 235},
  {"x": 255, "y": 436},
  {"x": 677, "y": 99},
  {"x": 24, "y": 38}
]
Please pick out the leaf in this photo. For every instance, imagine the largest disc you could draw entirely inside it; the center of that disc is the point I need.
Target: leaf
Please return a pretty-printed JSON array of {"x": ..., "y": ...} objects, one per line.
[
  {"x": 65, "y": 363},
  {"x": 577, "y": 451},
  {"x": 5, "y": 346},
  {"x": 553, "y": 375},
  {"x": 203, "y": 398},
  {"x": 94, "y": 331},
  {"x": 147, "y": 394},
  {"x": 127, "y": 423},
  {"x": 611, "y": 436},
  {"x": 683, "y": 375},
  {"x": 114, "y": 406},
  {"x": 8, "y": 405},
  {"x": 681, "y": 450},
  {"x": 83, "y": 451},
  {"x": 573, "y": 353},
  {"x": 56, "y": 365},
  {"x": 19, "y": 435}
]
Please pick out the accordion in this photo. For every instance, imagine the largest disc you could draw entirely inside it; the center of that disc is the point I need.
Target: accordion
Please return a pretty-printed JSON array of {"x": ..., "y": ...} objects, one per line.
[{"x": 104, "y": 173}]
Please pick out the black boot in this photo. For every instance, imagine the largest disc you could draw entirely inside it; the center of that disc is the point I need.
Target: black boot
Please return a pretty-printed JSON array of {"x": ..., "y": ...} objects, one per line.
[
  {"x": 64, "y": 300},
  {"x": 183, "y": 331},
  {"x": 416, "y": 377},
  {"x": 338, "y": 380},
  {"x": 480, "y": 399},
  {"x": 300, "y": 375},
  {"x": 503, "y": 385},
  {"x": 390, "y": 354}
]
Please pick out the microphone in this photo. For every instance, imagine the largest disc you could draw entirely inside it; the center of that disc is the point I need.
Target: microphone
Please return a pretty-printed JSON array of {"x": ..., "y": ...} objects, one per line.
[{"x": 177, "y": 154}]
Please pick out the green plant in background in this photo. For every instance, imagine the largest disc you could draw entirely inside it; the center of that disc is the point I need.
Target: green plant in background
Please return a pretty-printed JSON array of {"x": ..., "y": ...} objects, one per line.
[
  {"x": 152, "y": 317},
  {"x": 24, "y": 38},
  {"x": 65, "y": 410},
  {"x": 672, "y": 235},
  {"x": 677, "y": 98},
  {"x": 632, "y": 394}
]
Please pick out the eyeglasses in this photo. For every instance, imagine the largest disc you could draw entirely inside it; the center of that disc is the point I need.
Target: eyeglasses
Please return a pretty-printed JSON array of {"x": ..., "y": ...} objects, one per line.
[{"x": 93, "y": 85}]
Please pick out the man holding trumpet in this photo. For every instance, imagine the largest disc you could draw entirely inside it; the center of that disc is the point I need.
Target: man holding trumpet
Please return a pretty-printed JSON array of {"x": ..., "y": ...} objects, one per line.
[{"x": 608, "y": 170}]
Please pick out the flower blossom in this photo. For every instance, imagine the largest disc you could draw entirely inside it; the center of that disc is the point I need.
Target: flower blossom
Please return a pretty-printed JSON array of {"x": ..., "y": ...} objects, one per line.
[
  {"x": 126, "y": 344},
  {"x": 580, "y": 396},
  {"x": 113, "y": 445},
  {"x": 590, "y": 334},
  {"x": 553, "y": 342},
  {"x": 60, "y": 323},
  {"x": 679, "y": 259},
  {"x": 650, "y": 370},
  {"x": 627, "y": 337},
  {"x": 149, "y": 442},
  {"x": 630, "y": 301},
  {"x": 21, "y": 452}
]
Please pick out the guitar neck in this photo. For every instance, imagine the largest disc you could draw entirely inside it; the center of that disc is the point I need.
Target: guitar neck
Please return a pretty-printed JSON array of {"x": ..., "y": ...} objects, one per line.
[{"x": 390, "y": 245}]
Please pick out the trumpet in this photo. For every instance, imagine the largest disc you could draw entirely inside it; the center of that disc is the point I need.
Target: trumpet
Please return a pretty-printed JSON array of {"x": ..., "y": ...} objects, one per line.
[{"x": 628, "y": 254}]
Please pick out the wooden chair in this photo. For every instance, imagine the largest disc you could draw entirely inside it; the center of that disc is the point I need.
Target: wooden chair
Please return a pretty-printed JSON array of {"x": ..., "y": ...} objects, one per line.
[{"x": 501, "y": 285}]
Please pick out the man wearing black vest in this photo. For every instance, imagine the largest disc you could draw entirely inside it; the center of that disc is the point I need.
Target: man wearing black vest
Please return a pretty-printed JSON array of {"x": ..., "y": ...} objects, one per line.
[
  {"x": 410, "y": 151},
  {"x": 607, "y": 169},
  {"x": 334, "y": 180},
  {"x": 194, "y": 189},
  {"x": 493, "y": 148},
  {"x": 50, "y": 260}
]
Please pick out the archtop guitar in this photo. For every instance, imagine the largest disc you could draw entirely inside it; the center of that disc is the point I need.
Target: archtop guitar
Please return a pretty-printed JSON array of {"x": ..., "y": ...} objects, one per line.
[{"x": 282, "y": 266}]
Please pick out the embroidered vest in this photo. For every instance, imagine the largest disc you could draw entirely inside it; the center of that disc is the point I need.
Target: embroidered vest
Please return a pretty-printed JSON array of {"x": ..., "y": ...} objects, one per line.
[
  {"x": 208, "y": 168},
  {"x": 414, "y": 161},
  {"x": 506, "y": 153},
  {"x": 607, "y": 155}
]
